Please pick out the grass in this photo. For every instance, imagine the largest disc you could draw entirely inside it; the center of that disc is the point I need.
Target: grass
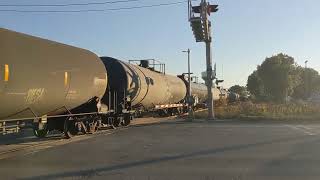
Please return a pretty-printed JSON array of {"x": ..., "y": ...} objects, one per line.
[{"x": 248, "y": 110}]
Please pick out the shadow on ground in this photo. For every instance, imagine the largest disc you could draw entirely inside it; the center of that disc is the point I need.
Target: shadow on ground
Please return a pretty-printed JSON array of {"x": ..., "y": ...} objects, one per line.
[
  {"x": 26, "y": 136},
  {"x": 105, "y": 169}
]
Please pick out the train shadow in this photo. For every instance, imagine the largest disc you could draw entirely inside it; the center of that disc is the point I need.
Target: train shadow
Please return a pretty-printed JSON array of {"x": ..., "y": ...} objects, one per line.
[
  {"x": 181, "y": 121},
  {"x": 89, "y": 173},
  {"x": 26, "y": 136}
]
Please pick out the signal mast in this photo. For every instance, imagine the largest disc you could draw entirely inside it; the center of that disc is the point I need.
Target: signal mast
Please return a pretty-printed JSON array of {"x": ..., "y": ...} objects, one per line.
[{"x": 201, "y": 27}]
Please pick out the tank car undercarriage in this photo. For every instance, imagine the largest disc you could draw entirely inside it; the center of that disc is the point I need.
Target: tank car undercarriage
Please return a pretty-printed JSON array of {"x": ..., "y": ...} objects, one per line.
[{"x": 74, "y": 124}]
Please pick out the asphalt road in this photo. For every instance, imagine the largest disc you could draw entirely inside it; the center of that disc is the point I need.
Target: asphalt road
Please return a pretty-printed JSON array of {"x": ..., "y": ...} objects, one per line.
[{"x": 232, "y": 150}]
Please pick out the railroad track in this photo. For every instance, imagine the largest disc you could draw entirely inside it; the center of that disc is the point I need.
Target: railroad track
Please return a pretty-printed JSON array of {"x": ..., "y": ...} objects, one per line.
[
  {"x": 13, "y": 150},
  {"x": 29, "y": 145}
]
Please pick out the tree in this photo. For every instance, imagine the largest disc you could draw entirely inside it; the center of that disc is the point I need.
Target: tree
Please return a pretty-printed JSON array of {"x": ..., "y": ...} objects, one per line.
[
  {"x": 279, "y": 76},
  {"x": 238, "y": 89},
  {"x": 255, "y": 86},
  {"x": 315, "y": 85},
  {"x": 310, "y": 83}
]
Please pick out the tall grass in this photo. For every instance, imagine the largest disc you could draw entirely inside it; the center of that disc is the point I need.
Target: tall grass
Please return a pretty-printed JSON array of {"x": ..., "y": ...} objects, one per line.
[{"x": 248, "y": 110}]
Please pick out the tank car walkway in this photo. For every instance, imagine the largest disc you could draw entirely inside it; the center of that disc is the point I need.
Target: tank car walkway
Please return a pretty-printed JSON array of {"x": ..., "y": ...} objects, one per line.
[{"x": 233, "y": 150}]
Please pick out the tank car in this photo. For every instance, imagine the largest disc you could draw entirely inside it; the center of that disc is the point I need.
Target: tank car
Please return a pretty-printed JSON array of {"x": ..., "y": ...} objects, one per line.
[
  {"x": 200, "y": 94},
  {"x": 144, "y": 87},
  {"x": 223, "y": 96},
  {"x": 42, "y": 78}
]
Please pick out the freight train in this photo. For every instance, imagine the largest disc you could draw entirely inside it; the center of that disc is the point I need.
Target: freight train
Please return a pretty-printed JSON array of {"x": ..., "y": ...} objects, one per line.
[{"x": 60, "y": 87}]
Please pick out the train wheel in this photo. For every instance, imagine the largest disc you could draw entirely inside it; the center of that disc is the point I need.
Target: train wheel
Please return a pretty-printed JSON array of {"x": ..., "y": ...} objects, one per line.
[
  {"x": 116, "y": 122},
  {"x": 163, "y": 113},
  {"x": 93, "y": 124},
  {"x": 126, "y": 120},
  {"x": 138, "y": 114},
  {"x": 40, "y": 133},
  {"x": 83, "y": 128},
  {"x": 70, "y": 128},
  {"x": 111, "y": 122},
  {"x": 93, "y": 127}
]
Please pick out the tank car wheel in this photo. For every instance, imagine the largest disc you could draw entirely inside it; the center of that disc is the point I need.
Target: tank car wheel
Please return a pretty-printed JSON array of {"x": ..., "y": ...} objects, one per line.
[
  {"x": 116, "y": 122},
  {"x": 111, "y": 122},
  {"x": 70, "y": 128},
  {"x": 162, "y": 113},
  {"x": 170, "y": 112},
  {"x": 126, "y": 120},
  {"x": 138, "y": 114},
  {"x": 94, "y": 124},
  {"x": 93, "y": 127},
  {"x": 83, "y": 128},
  {"x": 40, "y": 133}
]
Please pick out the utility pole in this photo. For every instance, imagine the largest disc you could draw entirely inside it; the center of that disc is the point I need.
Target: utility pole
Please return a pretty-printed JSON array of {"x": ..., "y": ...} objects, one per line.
[
  {"x": 201, "y": 28},
  {"x": 209, "y": 81},
  {"x": 189, "y": 98},
  {"x": 306, "y": 82}
]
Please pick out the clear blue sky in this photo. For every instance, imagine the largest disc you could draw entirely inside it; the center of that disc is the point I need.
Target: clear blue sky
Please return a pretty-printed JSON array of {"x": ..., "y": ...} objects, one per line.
[{"x": 245, "y": 32}]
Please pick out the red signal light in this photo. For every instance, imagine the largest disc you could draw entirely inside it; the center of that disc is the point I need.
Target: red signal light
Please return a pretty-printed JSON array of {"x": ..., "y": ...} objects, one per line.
[{"x": 212, "y": 8}]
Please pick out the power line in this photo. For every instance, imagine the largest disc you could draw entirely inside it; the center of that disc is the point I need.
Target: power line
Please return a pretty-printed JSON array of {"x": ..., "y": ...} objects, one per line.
[
  {"x": 63, "y": 5},
  {"x": 91, "y": 10}
]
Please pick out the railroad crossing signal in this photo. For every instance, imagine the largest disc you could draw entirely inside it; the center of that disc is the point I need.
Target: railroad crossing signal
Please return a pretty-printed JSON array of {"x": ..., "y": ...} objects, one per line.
[
  {"x": 198, "y": 18},
  {"x": 201, "y": 27},
  {"x": 197, "y": 29},
  {"x": 210, "y": 9}
]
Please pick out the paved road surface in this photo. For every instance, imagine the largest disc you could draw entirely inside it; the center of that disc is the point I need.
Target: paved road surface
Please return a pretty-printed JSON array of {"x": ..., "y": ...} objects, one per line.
[{"x": 232, "y": 150}]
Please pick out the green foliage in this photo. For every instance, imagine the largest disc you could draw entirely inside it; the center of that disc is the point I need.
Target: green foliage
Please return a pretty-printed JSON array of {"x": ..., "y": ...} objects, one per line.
[
  {"x": 315, "y": 85},
  {"x": 248, "y": 110},
  {"x": 279, "y": 76},
  {"x": 241, "y": 90},
  {"x": 255, "y": 86},
  {"x": 310, "y": 83}
]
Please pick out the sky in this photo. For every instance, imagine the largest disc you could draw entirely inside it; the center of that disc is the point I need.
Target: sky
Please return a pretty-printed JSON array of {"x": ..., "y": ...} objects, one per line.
[{"x": 244, "y": 32}]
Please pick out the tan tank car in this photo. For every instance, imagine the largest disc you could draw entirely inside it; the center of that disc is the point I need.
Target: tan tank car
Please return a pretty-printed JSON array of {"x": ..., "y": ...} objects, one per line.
[
  {"x": 39, "y": 77},
  {"x": 144, "y": 87}
]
